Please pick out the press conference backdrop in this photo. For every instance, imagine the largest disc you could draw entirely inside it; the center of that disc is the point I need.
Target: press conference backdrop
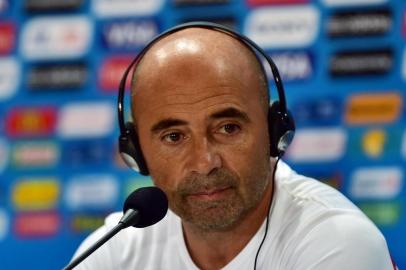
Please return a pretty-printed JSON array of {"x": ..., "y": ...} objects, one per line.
[{"x": 342, "y": 61}]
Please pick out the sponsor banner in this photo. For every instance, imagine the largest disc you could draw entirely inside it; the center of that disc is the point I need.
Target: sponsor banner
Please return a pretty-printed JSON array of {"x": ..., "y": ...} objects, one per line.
[
  {"x": 4, "y": 224},
  {"x": 119, "y": 8},
  {"x": 4, "y": 154},
  {"x": 317, "y": 145},
  {"x": 292, "y": 65},
  {"x": 86, "y": 119},
  {"x": 376, "y": 183},
  {"x": 283, "y": 27},
  {"x": 37, "y": 224},
  {"x": 353, "y": 2},
  {"x": 31, "y": 122},
  {"x": 86, "y": 222},
  {"x": 96, "y": 192},
  {"x": 129, "y": 34},
  {"x": 275, "y": 2},
  {"x": 52, "y": 6},
  {"x": 359, "y": 23},
  {"x": 85, "y": 153},
  {"x": 7, "y": 37},
  {"x": 199, "y": 2},
  {"x": 111, "y": 72},
  {"x": 40, "y": 154},
  {"x": 135, "y": 183},
  {"x": 57, "y": 76},
  {"x": 36, "y": 194},
  {"x": 365, "y": 62},
  {"x": 9, "y": 68},
  {"x": 56, "y": 37},
  {"x": 382, "y": 213},
  {"x": 374, "y": 108},
  {"x": 375, "y": 143},
  {"x": 321, "y": 111}
]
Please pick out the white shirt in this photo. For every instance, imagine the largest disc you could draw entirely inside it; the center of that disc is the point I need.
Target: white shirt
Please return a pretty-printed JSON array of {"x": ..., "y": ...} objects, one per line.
[{"x": 312, "y": 227}]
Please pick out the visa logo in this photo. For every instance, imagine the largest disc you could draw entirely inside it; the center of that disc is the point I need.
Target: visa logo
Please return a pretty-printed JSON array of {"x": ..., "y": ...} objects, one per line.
[
  {"x": 37, "y": 224},
  {"x": 30, "y": 122},
  {"x": 94, "y": 192},
  {"x": 119, "y": 8},
  {"x": 34, "y": 154},
  {"x": 77, "y": 120},
  {"x": 56, "y": 37},
  {"x": 283, "y": 27},
  {"x": 9, "y": 68},
  {"x": 373, "y": 108},
  {"x": 292, "y": 66},
  {"x": 7, "y": 37},
  {"x": 129, "y": 34},
  {"x": 36, "y": 194}
]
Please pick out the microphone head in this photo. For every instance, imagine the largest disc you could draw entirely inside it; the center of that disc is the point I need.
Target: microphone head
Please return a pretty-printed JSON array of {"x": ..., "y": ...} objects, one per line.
[{"x": 150, "y": 202}]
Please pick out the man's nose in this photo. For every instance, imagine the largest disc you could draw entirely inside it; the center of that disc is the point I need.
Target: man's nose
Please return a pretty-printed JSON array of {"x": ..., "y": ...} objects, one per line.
[{"x": 204, "y": 158}]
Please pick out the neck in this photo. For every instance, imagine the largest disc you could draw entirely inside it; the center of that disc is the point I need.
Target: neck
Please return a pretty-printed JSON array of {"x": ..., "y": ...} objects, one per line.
[{"x": 215, "y": 249}]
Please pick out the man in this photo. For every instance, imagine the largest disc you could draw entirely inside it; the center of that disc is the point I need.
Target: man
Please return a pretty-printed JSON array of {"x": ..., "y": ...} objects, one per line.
[{"x": 200, "y": 108}]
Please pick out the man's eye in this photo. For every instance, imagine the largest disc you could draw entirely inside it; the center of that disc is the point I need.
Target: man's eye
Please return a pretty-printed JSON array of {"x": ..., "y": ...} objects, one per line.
[
  {"x": 229, "y": 129},
  {"x": 173, "y": 137}
]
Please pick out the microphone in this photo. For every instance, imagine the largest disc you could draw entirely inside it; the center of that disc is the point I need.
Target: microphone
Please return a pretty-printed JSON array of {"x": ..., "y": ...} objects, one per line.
[{"x": 142, "y": 208}]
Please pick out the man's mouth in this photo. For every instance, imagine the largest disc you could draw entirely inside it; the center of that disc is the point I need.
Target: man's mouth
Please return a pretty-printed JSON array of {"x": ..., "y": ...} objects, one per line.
[{"x": 211, "y": 194}]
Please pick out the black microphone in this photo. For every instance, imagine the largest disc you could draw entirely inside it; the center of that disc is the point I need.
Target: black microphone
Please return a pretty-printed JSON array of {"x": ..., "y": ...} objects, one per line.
[{"x": 143, "y": 207}]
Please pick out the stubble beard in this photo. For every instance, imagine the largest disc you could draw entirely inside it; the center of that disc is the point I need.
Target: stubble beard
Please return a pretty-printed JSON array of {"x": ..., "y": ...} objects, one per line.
[{"x": 222, "y": 214}]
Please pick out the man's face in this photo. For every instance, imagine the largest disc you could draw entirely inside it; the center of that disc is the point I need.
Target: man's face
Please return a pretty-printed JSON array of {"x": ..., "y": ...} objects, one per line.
[{"x": 203, "y": 132}]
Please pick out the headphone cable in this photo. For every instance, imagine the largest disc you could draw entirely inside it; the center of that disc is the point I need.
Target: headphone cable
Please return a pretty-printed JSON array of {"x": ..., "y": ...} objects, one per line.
[{"x": 269, "y": 210}]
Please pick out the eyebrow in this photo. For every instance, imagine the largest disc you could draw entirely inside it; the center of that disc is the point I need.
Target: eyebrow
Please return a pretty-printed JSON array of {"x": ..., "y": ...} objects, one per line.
[
  {"x": 231, "y": 113},
  {"x": 167, "y": 123}
]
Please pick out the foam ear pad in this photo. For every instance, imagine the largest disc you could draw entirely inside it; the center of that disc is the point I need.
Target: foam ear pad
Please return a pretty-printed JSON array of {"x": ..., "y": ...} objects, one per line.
[
  {"x": 281, "y": 128},
  {"x": 130, "y": 150}
]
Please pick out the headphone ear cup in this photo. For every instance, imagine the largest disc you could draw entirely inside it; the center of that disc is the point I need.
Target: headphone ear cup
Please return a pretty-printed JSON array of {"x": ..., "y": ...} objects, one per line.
[
  {"x": 281, "y": 128},
  {"x": 130, "y": 150}
]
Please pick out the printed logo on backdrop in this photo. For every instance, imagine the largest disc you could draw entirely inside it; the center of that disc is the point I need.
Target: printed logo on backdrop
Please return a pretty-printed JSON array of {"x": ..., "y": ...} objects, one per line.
[
  {"x": 56, "y": 37},
  {"x": 199, "y": 2},
  {"x": 4, "y": 224},
  {"x": 92, "y": 192},
  {"x": 9, "y": 68},
  {"x": 129, "y": 34},
  {"x": 317, "y": 145},
  {"x": 30, "y": 122},
  {"x": 275, "y": 2},
  {"x": 382, "y": 213},
  {"x": 375, "y": 143},
  {"x": 111, "y": 71},
  {"x": 7, "y": 37},
  {"x": 4, "y": 154},
  {"x": 87, "y": 153},
  {"x": 86, "y": 119},
  {"x": 117, "y": 8},
  {"x": 365, "y": 62},
  {"x": 292, "y": 65},
  {"x": 283, "y": 27},
  {"x": 374, "y": 108},
  {"x": 57, "y": 76},
  {"x": 40, "y": 154},
  {"x": 52, "y": 6},
  {"x": 33, "y": 194},
  {"x": 87, "y": 222},
  {"x": 318, "y": 111},
  {"x": 353, "y": 2},
  {"x": 360, "y": 23},
  {"x": 376, "y": 183},
  {"x": 37, "y": 224}
]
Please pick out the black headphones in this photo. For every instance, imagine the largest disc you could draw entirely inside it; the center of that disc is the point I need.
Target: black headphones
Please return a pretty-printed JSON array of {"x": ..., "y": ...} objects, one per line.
[{"x": 281, "y": 126}]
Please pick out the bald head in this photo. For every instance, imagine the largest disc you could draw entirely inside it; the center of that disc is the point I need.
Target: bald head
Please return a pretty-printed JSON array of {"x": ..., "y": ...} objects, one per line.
[{"x": 185, "y": 55}]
